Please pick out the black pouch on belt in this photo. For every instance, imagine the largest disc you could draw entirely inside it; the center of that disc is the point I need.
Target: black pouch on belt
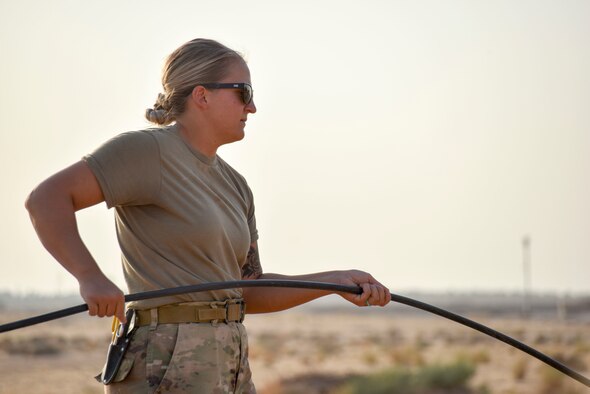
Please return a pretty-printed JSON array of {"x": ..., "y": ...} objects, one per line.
[{"x": 119, "y": 344}]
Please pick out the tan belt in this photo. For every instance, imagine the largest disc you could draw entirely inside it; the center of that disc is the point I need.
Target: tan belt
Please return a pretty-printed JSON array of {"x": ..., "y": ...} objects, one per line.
[{"x": 195, "y": 312}]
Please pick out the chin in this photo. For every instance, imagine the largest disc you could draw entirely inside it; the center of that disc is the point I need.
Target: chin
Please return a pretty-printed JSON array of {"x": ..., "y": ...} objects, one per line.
[
  {"x": 240, "y": 135},
  {"x": 235, "y": 137}
]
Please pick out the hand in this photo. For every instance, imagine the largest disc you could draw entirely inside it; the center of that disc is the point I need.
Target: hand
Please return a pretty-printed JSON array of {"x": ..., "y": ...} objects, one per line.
[
  {"x": 103, "y": 298},
  {"x": 374, "y": 293}
]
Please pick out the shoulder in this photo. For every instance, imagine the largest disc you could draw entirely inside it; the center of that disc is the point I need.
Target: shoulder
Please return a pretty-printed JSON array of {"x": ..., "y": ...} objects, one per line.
[
  {"x": 130, "y": 139},
  {"x": 146, "y": 136},
  {"x": 134, "y": 142},
  {"x": 128, "y": 149},
  {"x": 237, "y": 179},
  {"x": 232, "y": 172}
]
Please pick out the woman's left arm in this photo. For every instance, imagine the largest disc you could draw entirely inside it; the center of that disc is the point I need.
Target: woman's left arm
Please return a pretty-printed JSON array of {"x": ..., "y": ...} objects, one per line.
[{"x": 272, "y": 299}]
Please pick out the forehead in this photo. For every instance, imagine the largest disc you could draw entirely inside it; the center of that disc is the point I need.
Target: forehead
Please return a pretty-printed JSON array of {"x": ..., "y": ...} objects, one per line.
[{"x": 238, "y": 72}]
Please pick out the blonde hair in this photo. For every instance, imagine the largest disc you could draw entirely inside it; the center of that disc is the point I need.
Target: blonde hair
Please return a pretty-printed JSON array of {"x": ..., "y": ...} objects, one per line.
[{"x": 196, "y": 62}]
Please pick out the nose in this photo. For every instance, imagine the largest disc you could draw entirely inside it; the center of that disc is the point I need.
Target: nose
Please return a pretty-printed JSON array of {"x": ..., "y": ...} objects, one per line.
[{"x": 251, "y": 107}]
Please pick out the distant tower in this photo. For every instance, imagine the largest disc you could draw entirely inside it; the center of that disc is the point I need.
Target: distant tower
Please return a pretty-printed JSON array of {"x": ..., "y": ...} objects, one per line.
[{"x": 526, "y": 270}]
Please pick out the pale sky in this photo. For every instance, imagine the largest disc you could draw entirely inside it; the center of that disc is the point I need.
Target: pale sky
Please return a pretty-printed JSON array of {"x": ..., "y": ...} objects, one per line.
[{"x": 416, "y": 140}]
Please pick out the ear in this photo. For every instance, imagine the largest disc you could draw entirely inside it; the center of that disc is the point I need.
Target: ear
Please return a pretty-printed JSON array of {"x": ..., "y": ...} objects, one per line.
[{"x": 199, "y": 96}]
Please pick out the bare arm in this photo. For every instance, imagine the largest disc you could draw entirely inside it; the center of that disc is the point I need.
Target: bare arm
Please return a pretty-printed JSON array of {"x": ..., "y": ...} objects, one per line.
[
  {"x": 52, "y": 206},
  {"x": 269, "y": 299}
]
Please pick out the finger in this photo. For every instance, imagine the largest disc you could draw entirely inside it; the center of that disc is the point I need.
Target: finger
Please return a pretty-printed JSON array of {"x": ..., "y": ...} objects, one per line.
[
  {"x": 92, "y": 309},
  {"x": 375, "y": 295},
  {"x": 120, "y": 312},
  {"x": 382, "y": 297},
  {"x": 365, "y": 295},
  {"x": 110, "y": 309},
  {"x": 102, "y": 309}
]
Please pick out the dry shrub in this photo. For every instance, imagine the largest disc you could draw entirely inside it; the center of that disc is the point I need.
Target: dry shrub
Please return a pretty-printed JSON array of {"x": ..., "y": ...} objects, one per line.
[
  {"x": 581, "y": 347},
  {"x": 308, "y": 383},
  {"x": 370, "y": 358},
  {"x": 461, "y": 338},
  {"x": 518, "y": 333},
  {"x": 481, "y": 356},
  {"x": 394, "y": 337},
  {"x": 407, "y": 356},
  {"x": 573, "y": 339},
  {"x": 519, "y": 369},
  {"x": 440, "y": 378},
  {"x": 542, "y": 339},
  {"x": 325, "y": 346},
  {"x": 484, "y": 389},
  {"x": 573, "y": 361},
  {"x": 35, "y": 346},
  {"x": 267, "y": 346},
  {"x": 328, "y": 346},
  {"x": 87, "y": 344},
  {"x": 447, "y": 337},
  {"x": 553, "y": 382},
  {"x": 375, "y": 339},
  {"x": 475, "y": 338},
  {"x": 421, "y": 342}
]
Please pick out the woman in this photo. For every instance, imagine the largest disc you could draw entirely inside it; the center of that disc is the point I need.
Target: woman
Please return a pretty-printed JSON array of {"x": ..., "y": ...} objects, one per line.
[{"x": 183, "y": 216}]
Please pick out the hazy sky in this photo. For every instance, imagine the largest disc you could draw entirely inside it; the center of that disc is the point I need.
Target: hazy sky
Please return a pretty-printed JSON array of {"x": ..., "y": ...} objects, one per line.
[{"x": 417, "y": 140}]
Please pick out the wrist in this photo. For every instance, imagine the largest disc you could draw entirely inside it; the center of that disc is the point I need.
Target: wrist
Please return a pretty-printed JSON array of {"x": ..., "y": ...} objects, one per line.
[{"x": 90, "y": 274}]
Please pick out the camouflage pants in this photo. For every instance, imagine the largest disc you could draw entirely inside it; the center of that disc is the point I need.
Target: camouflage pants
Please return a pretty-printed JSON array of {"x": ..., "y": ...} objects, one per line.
[{"x": 186, "y": 358}]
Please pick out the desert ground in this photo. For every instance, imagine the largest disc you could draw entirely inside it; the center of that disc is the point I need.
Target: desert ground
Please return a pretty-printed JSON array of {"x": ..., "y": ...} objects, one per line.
[{"x": 314, "y": 350}]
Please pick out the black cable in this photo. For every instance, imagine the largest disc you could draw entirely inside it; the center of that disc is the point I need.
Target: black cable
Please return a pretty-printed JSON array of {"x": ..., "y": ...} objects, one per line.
[
  {"x": 310, "y": 285},
  {"x": 494, "y": 334},
  {"x": 146, "y": 295}
]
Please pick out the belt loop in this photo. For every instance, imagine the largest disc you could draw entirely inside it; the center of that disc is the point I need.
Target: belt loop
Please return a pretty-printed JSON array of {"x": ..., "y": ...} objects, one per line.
[
  {"x": 242, "y": 311},
  {"x": 227, "y": 307},
  {"x": 154, "y": 319},
  {"x": 214, "y": 322}
]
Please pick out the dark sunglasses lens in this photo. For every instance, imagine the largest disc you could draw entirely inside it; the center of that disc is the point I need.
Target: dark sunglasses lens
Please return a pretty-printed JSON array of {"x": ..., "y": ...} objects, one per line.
[{"x": 247, "y": 94}]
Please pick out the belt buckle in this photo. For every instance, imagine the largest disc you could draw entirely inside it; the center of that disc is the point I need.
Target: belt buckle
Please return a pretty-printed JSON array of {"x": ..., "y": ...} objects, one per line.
[
  {"x": 240, "y": 305},
  {"x": 226, "y": 305}
]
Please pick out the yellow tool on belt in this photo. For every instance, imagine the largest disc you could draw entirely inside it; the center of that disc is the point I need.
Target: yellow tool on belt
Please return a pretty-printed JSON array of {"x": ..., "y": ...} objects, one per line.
[{"x": 122, "y": 333}]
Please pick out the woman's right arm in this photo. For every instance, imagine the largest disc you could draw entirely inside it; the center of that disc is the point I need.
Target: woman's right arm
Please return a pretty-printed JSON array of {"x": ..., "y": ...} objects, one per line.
[{"x": 52, "y": 206}]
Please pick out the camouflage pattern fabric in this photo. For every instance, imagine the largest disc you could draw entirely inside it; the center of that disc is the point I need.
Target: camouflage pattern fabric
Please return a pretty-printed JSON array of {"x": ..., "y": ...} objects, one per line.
[{"x": 186, "y": 358}]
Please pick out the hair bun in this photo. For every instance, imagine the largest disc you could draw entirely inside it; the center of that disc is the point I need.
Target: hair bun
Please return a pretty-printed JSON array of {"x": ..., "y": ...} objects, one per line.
[
  {"x": 160, "y": 114},
  {"x": 157, "y": 116}
]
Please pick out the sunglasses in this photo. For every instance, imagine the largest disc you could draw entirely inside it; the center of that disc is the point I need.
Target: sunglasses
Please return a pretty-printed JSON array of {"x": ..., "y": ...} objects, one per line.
[{"x": 246, "y": 91}]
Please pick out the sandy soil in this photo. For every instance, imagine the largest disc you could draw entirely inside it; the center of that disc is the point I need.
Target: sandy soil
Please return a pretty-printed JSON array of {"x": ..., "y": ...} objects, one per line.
[{"x": 63, "y": 356}]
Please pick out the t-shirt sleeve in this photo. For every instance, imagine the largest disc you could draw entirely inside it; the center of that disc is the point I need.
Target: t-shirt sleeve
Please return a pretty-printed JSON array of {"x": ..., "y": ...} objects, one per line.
[
  {"x": 251, "y": 216},
  {"x": 127, "y": 168}
]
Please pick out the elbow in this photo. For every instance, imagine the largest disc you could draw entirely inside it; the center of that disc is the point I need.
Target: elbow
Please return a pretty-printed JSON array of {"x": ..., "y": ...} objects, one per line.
[
  {"x": 39, "y": 199},
  {"x": 30, "y": 202},
  {"x": 33, "y": 202}
]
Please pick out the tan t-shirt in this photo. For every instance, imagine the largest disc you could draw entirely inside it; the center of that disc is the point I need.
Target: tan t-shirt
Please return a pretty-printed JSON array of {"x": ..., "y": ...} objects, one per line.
[{"x": 182, "y": 218}]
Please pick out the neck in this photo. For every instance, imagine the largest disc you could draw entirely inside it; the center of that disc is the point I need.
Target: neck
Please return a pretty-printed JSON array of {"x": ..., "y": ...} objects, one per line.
[{"x": 197, "y": 139}]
